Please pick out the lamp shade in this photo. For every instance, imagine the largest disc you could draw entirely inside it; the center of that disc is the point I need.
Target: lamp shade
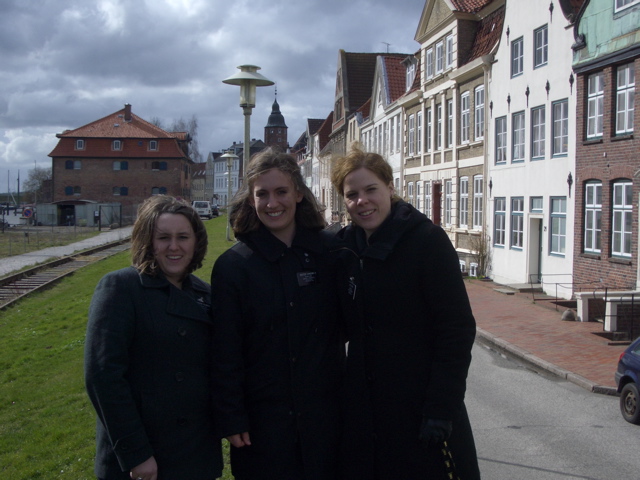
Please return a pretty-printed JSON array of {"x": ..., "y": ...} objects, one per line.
[{"x": 248, "y": 79}]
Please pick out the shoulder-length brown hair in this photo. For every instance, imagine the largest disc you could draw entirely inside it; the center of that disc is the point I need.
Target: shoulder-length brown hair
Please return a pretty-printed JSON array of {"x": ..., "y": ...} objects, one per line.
[
  {"x": 243, "y": 216},
  {"x": 142, "y": 257},
  {"x": 355, "y": 159}
]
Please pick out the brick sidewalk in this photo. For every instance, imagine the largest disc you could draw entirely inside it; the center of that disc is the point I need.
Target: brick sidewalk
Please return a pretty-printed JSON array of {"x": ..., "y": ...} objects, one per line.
[{"x": 532, "y": 330}]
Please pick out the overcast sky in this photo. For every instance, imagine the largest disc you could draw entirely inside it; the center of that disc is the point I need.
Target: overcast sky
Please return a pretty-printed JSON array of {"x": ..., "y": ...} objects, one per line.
[{"x": 65, "y": 63}]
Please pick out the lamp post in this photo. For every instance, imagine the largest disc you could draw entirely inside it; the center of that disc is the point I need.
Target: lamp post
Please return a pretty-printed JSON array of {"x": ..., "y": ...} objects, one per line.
[
  {"x": 230, "y": 157},
  {"x": 248, "y": 79}
]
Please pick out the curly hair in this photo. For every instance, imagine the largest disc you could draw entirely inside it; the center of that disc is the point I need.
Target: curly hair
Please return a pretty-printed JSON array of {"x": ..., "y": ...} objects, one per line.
[
  {"x": 142, "y": 257},
  {"x": 243, "y": 216}
]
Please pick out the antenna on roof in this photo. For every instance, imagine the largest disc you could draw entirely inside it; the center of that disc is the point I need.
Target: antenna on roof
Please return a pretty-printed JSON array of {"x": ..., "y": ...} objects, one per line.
[{"x": 388, "y": 45}]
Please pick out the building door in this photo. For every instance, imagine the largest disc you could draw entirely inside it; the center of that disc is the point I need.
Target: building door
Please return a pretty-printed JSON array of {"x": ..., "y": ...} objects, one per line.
[
  {"x": 534, "y": 266},
  {"x": 436, "y": 212}
]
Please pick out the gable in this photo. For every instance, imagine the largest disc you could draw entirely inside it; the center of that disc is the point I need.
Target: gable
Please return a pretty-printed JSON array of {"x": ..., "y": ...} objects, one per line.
[{"x": 435, "y": 12}]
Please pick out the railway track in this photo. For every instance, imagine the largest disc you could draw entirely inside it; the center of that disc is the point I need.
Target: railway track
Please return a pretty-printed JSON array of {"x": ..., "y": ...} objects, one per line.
[{"x": 17, "y": 286}]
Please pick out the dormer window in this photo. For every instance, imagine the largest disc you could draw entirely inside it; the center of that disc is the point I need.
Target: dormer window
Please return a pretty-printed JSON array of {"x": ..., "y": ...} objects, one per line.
[
  {"x": 411, "y": 74},
  {"x": 79, "y": 144},
  {"x": 116, "y": 145},
  {"x": 153, "y": 145}
]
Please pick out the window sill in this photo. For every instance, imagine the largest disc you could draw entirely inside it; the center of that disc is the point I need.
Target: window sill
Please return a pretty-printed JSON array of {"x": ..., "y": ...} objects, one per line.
[
  {"x": 594, "y": 141},
  {"x": 619, "y": 260},
  {"x": 591, "y": 256},
  {"x": 620, "y": 138}
]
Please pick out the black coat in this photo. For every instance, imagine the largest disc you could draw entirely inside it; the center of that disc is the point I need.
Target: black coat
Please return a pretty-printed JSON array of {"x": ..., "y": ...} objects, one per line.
[
  {"x": 147, "y": 373},
  {"x": 410, "y": 330},
  {"x": 278, "y": 356}
]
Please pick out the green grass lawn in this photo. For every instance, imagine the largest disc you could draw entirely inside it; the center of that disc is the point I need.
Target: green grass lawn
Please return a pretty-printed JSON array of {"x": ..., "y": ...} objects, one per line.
[
  {"x": 25, "y": 239},
  {"x": 47, "y": 424}
]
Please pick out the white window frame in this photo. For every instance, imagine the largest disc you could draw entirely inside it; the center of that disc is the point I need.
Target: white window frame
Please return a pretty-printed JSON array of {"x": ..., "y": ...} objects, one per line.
[
  {"x": 593, "y": 217},
  {"x": 595, "y": 105},
  {"x": 538, "y": 131},
  {"x": 499, "y": 221},
  {"x": 410, "y": 75},
  {"x": 501, "y": 140},
  {"x": 517, "y": 57},
  {"x": 410, "y": 193},
  {"x": 116, "y": 145},
  {"x": 427, "y": 199},
  {"x": 428, "y": 128},
  {"x": 398, "y": 133},
  {"x": 429, "y": 63},
  {"x": 449, "y": 123},
  {"x": 411, "y": 134},
  {"x": 463, "y": 217},
  {"x": 478, "y": 203},
  {"x": 540, "y": 46},
  {"x": 80, "y": 145},
  {"x": 622, "y": 218},
  {"x": 517, "y": 223},
  {"x": 448, "y": 202},
  {"x": 624, "y": 4},
  {"x": 439, "y": 126},
  {"x": 392, "y": 131},
  {"x": 465, "y": 115},
  {"x": 560, "y": 127},
  {"x": 518, "y": 137},
  {"x": 439, "y": 57},
  {"x": 419, "y": 132},
  {"x": 153, "y": 145},
  {"x": 478, "y": 118},
  {"x": 449, "y": 51},
  {"x": 625, "y": 94},
  {"x": 558, "y": 230}
]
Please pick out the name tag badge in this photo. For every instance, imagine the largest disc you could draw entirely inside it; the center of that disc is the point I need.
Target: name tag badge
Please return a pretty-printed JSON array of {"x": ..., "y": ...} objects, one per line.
[
  {"x": 306, "y": 278},
  {"x": 351, "y": 289}
]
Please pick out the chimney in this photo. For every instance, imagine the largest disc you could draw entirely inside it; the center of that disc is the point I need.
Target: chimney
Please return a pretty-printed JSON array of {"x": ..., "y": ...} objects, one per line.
[{"x": 127, "y": 112}]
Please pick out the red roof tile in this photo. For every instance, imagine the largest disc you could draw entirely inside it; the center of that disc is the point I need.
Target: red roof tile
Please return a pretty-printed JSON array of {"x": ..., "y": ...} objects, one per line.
[
  {"x": 396, "y": 76},
  {"x": 488, "y": 34},
  {"x": 470, "y": 6}
]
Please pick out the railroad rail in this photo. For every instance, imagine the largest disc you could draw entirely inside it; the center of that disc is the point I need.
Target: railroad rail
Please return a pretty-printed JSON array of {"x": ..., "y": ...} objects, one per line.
[{"x": 18, "y": 285}]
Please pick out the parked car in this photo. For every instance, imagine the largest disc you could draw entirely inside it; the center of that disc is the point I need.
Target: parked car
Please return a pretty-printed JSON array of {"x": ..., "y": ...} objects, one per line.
[
  {"x": 627, "y": 380},
  {"x": 203, "y": 208},
  {"x": 215, "y": 211}
]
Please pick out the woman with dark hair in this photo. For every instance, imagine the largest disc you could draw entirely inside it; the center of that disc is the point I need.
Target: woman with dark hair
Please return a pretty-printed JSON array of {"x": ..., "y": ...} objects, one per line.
[
  {"x": 410, "y": 330},
  {"x": 277, "y": 349},
  {"x": 148, "y": 354}
]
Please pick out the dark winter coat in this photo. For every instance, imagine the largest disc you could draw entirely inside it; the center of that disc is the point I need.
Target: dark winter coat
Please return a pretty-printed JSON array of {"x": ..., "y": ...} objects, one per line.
[
  {"x": 147, "y": 373},
  {"x": 410, "y": 331},
  {"x": 278, "y": 356}
]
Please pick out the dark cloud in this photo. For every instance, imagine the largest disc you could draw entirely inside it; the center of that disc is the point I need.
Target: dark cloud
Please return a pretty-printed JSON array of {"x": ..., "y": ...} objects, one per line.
[{"x": 68, "y": 63}]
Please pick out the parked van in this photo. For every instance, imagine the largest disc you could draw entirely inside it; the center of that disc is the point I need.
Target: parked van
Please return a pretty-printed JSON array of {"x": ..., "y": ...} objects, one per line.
[{"x": 203, "y": 208}]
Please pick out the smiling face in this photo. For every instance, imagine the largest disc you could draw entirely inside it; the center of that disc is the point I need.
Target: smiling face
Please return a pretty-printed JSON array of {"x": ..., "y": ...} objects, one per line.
[
  {"x": 174, "y": 245},
  {"x": 367, "y": 198},
  {"x": 275, "y": 199}
]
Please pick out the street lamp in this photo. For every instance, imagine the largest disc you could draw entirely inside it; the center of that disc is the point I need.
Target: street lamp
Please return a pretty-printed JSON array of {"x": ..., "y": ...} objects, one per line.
[
  {"x": 248, "y": 79},
  {"x": 230, "y": 157}
]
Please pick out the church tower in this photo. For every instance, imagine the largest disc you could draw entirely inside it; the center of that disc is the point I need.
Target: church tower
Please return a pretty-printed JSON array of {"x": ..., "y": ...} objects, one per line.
[{"x": 275, "y": 133}]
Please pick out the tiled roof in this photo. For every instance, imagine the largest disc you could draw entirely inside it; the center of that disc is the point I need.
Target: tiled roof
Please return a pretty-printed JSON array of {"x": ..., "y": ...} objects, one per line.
[
  {"x": 396, "y": 76},
  {"x": 365, "y": 109},
  {"x": 115, "y": 126},
  {"x": 360, "y": 72},
  {"x": 314, "y": 124},
  {"x": 487, "y": 35},
  {"x": 470, "y": 6},
  {"x": 325, "y": 130}
]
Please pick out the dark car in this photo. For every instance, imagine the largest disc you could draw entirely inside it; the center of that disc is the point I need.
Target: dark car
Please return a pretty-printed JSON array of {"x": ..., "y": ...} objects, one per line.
[
  {"x": 627, "y": 380},
  {"x": 215, "y": 211}
]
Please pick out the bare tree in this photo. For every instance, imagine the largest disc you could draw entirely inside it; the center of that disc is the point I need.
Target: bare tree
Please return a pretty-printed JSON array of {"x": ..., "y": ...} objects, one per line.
[
  {"x": 191, "y": 127},
  {"x": 157, "y": 121},
  {"x": 35, "y": 180}
]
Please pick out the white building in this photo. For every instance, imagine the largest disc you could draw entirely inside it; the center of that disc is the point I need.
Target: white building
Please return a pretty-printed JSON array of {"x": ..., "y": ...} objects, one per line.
[{"x": 531, "y": 149}]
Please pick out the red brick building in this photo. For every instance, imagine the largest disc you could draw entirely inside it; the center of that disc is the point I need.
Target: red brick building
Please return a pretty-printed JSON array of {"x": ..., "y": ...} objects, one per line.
[
  {"x": 607, "y": 161},
  {"x": 121, "y": 159}
]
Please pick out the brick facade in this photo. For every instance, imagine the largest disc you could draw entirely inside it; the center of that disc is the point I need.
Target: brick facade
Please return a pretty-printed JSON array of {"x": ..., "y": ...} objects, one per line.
[{"x": 606, "y": 159}]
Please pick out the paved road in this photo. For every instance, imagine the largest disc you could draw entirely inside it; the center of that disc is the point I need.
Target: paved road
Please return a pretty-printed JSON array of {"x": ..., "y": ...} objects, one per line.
[{"x": 534, "y": 427}]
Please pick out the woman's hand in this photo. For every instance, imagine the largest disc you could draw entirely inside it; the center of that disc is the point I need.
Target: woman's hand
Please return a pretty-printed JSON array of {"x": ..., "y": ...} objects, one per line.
[
  {"x": 147, "y": 470},
  {"x": 240, "y": 439}
]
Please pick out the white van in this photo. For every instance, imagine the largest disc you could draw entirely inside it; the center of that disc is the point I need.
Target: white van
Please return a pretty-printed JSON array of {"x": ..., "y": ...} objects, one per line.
[{"x": 203, "y": 208}]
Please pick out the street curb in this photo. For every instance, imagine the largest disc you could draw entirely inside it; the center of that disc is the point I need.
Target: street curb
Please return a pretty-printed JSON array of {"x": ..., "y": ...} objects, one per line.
[{"x": 538, "y": 363}]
